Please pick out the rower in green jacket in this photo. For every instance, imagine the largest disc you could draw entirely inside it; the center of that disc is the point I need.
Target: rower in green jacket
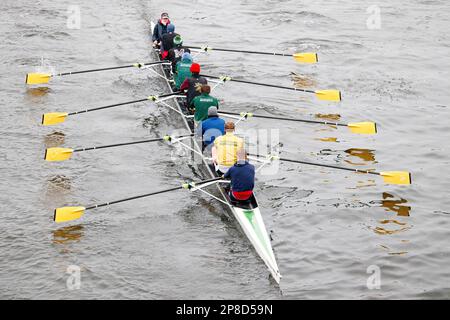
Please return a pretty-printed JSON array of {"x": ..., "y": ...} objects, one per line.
[
  {"x": 202, "y": 103},
  {"x": 182, "y": 71}
]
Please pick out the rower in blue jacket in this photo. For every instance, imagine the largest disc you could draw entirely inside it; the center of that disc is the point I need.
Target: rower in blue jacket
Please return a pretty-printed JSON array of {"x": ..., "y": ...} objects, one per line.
[
  {"x": 160, "y": 29},
  {"x": 211, "y": 128},
  {"x": 242, "y": 176}
]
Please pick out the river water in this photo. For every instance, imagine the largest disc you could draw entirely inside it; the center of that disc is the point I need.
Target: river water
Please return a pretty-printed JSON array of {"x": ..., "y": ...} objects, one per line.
[{"x": 331, "y": 229}]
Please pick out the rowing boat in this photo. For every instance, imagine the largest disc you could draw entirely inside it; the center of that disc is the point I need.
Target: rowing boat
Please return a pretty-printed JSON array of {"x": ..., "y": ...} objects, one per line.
[{"x": 248, "y": 215}]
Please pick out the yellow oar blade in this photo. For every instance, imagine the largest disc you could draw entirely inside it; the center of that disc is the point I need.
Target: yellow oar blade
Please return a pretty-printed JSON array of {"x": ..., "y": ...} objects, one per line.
[
  {"x": 329, "y": 95},
  {"x": 396, "y": 177},
  {"x": 363, "y": 127},
  {"x": 58, "y": 154},
  {"x": 306, "y": 57},
  {"x": 49, "y": 119},
  {"x": 68, "y": 214},
  {"x": 37, "y": 78}
]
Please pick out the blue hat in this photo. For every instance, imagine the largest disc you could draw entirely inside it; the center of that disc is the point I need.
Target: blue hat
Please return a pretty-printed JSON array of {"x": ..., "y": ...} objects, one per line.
[
  {"x": 170, "y": 27},
  {"x": 186, "y": 56}
]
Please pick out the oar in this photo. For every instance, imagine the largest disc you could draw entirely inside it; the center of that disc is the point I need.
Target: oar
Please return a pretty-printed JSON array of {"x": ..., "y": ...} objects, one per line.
[
  {"x": 62, "y": 154},
  {"x": 38, "y": 78},
  {"x": 58, "y": 117},
  {"x": 65, "y": 214},
  {"x": 356, "y": 127},
  {"x": 303, "y": 57},
  {"x": 391, "y": 177},
  {"x": 330, "y": 95}
]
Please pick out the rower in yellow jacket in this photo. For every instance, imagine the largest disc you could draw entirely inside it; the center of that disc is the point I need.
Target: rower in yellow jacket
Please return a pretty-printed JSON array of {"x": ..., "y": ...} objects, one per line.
[{"x": 224, "y": 151}]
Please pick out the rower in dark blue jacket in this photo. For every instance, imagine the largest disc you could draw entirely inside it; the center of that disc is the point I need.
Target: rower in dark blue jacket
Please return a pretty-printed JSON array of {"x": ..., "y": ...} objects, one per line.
[
  {"x": 211, "y": 128},
  {"x": 242, "y": 176},
  {"x": 160, "y": 29}
]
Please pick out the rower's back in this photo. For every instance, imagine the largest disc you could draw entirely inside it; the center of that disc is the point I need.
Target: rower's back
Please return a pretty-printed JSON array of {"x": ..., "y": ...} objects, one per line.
[
  {"x": 183, "y": 69},
  {"x": 167, "y": 42},
  {"x": 176, "y": 52},
  {"x": 195, "y": 84}
]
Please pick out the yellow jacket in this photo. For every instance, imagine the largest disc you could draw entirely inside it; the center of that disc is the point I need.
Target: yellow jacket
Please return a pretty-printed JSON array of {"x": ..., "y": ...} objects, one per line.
[{"x": 227, "y": 147}]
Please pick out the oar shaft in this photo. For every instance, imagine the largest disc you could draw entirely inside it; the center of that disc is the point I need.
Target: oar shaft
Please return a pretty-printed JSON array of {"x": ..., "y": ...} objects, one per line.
[
  {"x": 107, "y": 107},
  {"x": 127, "y": 143},
  {"x": 118, "y": 145},
  {"x": 105, "y": 69},
  {"x": 262, "y": 84},
  {"x": 121, "y": 104},
  {"x": 328, "y": 166},
  {"x": 287, "y": 119},
  {"x": 247, "y": 51},
  {"x": 133, "y": 198},
  {"x": 321, "y": 165},
  {"x": 148, "y": 194}
]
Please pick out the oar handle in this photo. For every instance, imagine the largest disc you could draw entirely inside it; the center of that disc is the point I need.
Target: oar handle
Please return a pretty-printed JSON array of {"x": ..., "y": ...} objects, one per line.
[
  {"x": 149, "y": 194},
  {"x": 287, "y": 119},
  {"x": 261, "y": 84},
  {"x": 139, "y": 65},
  {"x": 244, "y": 51},
  {"x": 128, "y": 143}
]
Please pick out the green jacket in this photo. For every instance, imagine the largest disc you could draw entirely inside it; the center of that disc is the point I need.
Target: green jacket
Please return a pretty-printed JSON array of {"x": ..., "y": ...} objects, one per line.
[
  {"x": 202, "y": 104},
  {"x": 182, "y": 72}
]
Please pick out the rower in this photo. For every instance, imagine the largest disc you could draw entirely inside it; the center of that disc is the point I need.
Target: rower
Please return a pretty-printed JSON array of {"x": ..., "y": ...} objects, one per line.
[
  {"x": 202, "y": 103},
  {"x": 167, "y": 40},
  {"x": 242, "y": 176},
  {"x": 211, "y": 128},
  {"x": 224, "y": 151},
  {"x": 175, "y": 53},
  {"x": 160, "y": 29},
  {"x": 183, "y": 69},
  {"x": 193, "y": 84}
]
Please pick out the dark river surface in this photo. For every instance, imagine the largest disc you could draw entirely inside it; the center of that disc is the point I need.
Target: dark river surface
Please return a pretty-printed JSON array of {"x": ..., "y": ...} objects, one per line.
[{"x": 330, "y": 228}]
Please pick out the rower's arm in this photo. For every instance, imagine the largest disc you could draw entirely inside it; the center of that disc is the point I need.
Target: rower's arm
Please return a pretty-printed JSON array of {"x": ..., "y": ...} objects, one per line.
[
  {"x": 184, "y": 85},
  {"x": 214, "y": 154},
  {"x": 155, "y": 33},
  {"x": 227, "y": 174}
]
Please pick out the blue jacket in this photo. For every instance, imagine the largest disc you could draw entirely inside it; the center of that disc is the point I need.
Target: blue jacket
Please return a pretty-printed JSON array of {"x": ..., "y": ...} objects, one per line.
[
  {"x": 242, "y": 176},
  {"x": 159, "y": 30},
  {"x": 210, "y": 129}
]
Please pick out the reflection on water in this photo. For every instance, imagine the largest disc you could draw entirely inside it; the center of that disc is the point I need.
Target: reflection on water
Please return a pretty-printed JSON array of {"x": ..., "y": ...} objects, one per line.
[
  {"x": 328, "y": 139},
  {"x": 366, "y": 155},
  {"x": 37, "y": 91},
  {"x": 384, "y": 231},
  {"x": 68, "y": 234},
  {"x": 54, "y": 139},
  {"x": 393, "y": 226},
  {"x": 301, "y": 81},
  {"x": 391, "y": 204},
  {"x": 329, "y": 117}
]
